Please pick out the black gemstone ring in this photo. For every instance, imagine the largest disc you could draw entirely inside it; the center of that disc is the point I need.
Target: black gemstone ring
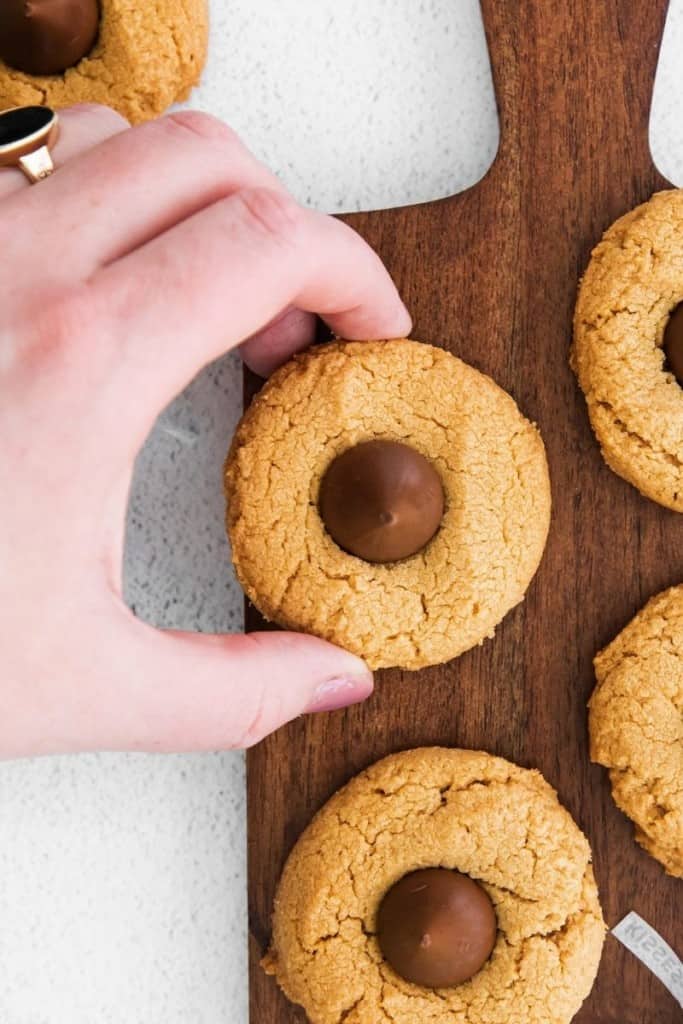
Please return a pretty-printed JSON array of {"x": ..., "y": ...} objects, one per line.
[{"x": 26, "y": 134}]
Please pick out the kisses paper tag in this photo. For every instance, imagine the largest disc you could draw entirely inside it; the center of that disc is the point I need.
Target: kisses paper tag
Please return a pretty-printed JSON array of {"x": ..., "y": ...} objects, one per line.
[{"x": 645, "y": 943}]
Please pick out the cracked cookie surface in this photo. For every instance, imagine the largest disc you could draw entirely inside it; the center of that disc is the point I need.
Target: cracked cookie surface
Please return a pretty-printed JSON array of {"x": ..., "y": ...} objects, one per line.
[
  {"x": 636, "y": 725},
  {"x": 436, "y": 807},
  {"x": 450, "y": 596},
  {"x": 147, "y": 56},
  {"x": 632, "y": 284}
]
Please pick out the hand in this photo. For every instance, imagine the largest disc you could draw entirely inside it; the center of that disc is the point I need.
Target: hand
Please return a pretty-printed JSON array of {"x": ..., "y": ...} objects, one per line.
[{"x": 148, "y": 253}]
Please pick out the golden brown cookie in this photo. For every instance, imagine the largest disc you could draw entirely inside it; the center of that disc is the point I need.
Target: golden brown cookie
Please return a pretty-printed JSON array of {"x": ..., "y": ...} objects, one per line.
[
  {"x": 633, "y": 283},
  {"x": 636, "y": 724},
  {"x": 146, "y": 57},
  {"x": 448, "y": 597},
  {"x": 500, "y": 824}
]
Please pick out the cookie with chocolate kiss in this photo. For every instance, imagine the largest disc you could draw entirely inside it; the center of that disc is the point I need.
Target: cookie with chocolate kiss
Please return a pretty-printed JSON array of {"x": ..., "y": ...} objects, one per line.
[
  {"x": 136, "y": 56},
  {"x": 387, "y": 497},
  {"x": 439, "y": 886}
]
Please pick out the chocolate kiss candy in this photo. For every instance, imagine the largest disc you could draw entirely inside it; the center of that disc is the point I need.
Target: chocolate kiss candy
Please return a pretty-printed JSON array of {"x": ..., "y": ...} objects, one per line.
[
  {"x": 673, "y": 343},
  {"x": 381, "y": 501},
  {"x": 45, "y": 37},
  {"x": 436, "y": 927}
]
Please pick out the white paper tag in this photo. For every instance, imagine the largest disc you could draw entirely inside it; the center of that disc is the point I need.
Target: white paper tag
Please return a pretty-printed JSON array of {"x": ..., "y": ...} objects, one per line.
[{"x": 645, "y": 943}]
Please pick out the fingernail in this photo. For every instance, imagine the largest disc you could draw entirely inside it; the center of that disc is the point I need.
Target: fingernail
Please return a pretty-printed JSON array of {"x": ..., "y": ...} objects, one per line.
[
  {"x": 406, "y": 323},
  {"x": 340, "y": 692}
]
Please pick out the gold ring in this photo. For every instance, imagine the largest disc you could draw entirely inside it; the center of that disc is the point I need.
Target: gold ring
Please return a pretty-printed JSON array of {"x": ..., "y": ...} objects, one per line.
[{"x": 26, "y": 134}]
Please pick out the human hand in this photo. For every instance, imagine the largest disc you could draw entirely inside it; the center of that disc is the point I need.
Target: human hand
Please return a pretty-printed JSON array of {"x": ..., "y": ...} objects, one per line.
[{"x": 147, "y": 254}]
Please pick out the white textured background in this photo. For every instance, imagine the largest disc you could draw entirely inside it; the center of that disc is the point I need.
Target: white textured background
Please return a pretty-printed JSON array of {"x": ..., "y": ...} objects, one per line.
[{"x": 122, "y": 895}]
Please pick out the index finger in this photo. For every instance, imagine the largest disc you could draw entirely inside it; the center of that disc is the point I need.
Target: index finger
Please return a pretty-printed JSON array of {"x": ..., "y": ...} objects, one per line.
[{"x": 210, "y": 282}]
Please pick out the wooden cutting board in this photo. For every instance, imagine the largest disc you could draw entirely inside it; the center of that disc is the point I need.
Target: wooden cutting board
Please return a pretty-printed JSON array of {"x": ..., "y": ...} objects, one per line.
[{"x": 491, "y": 275}]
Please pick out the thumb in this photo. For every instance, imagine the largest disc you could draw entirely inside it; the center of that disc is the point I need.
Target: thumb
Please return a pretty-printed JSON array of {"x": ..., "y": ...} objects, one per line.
[
  {"x": 231, "y": 691},
  {"x": 168, "y": 691}
]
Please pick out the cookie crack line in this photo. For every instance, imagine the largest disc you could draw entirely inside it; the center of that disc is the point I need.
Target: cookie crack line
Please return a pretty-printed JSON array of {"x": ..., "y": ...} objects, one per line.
[
  {"x": 347, "y": 1013},
  {"x": 635, "y": 436}
]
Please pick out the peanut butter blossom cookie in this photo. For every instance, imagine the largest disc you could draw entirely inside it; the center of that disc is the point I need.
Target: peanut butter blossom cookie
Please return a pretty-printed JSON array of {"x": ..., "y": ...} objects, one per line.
[
  {"x": 389, "y": 498},
  {"x": 636, "y": 725},
  {"x": 628, "y": 347},
  {"x": 439, "y": 885},
  {"x": 138, "y": 57}
]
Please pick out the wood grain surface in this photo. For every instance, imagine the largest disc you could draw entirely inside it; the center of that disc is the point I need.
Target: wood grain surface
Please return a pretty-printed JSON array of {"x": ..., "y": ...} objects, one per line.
[{"x": 491, "y": 275}]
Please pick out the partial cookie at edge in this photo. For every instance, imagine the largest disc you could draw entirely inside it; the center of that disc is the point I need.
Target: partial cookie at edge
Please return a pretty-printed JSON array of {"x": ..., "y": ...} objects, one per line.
[
  {"x": 636, "y": 724},
  {"x": 464, "y": 810},
  {"x": 632, "y": 284}
]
